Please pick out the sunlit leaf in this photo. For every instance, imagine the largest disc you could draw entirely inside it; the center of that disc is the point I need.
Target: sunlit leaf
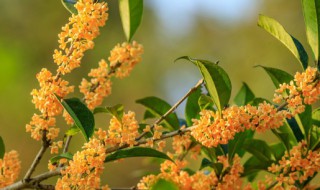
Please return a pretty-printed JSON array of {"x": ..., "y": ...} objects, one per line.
[
  {"x": 56, "y": 159},
  {"x": 159, "y": 107},
  {"x": 311, "y": 12},
  {"x": 278, "y": 150},
  {"x": 72, "y": 131},
  {"x": 131, "y": 15},
  {"x": 277, "y": 30},
  {"x": 162, "y": 184},
  {"x": 205, "y": 102},
  {"x": 217, "y": 81},
  {"x": 81, "y": 115},
  {"x": 244, "y": 96},
  {"x": 192, "y": 108},
  {"x": 116, "y": 111},
  {"x": 136, "y": 152},
  {"x": 277, "y": 76},
  {"x": 69, "y": 5}
]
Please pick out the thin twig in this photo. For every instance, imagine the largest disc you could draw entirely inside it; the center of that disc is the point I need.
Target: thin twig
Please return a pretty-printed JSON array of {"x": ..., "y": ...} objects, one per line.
[
  {"x": 45, "y": 145},
  {"x": 66, "y": 145},
  {"x": 200, "y": 82}
]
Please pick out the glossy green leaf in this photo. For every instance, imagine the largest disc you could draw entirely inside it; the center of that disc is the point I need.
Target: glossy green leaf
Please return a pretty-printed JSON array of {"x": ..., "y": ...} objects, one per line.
[
  {"x": 192, "y": 108},
  {"x": 72, "y": 131},
  {"x": 277, "y": 76},
  {"x": 311, "y": 12},
  {"x": 66, "y": 155},
  {"x": 277, "y": 30},
  {"x": 278, "y": 150},
  {"x": 304, "y": 121},
  {"x": 259, "y": 149},
  {"x": 148, "y": 115},
  {"x": 235, "y": 145},
  {"x": 116, "y": 111},
  {"x": 136, "y": 152},
  {"x": 205, "y": 163},
  {"x": 131, "y": 15},
  {"x": 205, "y": 102},
  {"x": 69, "y": 5},
  {"x": 244, "y": 96},
  {"x": 2, "y": 148},
  {"x": 285, "y": 135},
  {"x": 217, "y": 81},
  {"x": 253, "y": 164},
  {"x": 81, "y": 115},
  {"x": 159, "y": 107},
  {"x": 162, "y": 184}
]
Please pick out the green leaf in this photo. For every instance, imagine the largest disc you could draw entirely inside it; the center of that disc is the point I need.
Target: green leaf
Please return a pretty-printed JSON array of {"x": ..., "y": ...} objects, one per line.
[
  {"x": 205, "y": 163},
  {"x": 164, "y": 184},
  {"x": 316, "y": 117},
  {"x": 253, "y": 164},
  {"x": 159, "y": 107},
  {"x": 66, "y": 155},
  {"x": 148, "y": 115},
  {"x": 277, "y": 76},
  {"x": 116, "y": 111},
  {"x": 189, "y": 171},
  {"x": 142, "y": 126},
  {"x": 277, "y": 30},
  {"x": 244, "y": 96},
  {"x": 81, "y": 115},
  {"x": 304, "y": 121},
  {"x": 72, "y": 131},
  {"x": 217, "y": 81},
  {"x": 285, "y": 135},
  {"x": 69, "y": 5},
  {"x": 2, "y": 148},
  {"x": 311, "y": 12},
  {"x": 192, "y": 108},
  {"x": 257, "y": 101},
  {"x": 131, "y": 15},
  {"x": 235, "y": 145},
  {"x": 205, "y": 102},
  {"x": 259, "y": 149},
  {"x": 278, "y": 150},
  {"x": 136, "y": 152}
]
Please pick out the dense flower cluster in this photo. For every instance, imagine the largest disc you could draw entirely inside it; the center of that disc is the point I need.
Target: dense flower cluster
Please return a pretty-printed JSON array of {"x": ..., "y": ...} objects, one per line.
[
  {"x": 214, "y": 129},
  {"x": 297, "y": 166},
  {"x": 304, "y": 89},
  {"x": 84, "y": 170},
  {"x": 124, "y": 131},
  {"x": 173, "y": 172},
  {"x": 40, "y": 124},
  {"x": 124, "y": 57},
  {"x": 99, "y": 86},
  {"x": 10, "y": 167},
  {"x": 77, "y": 35}
]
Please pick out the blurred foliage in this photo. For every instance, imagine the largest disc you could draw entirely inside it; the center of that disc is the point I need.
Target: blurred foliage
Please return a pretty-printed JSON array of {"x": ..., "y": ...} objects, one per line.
[{"x": 28, "y": 36}]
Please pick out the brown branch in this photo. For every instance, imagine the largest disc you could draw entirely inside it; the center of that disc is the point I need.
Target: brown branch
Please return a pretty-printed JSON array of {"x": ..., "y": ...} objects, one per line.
[{"x": 45, "y": 145}]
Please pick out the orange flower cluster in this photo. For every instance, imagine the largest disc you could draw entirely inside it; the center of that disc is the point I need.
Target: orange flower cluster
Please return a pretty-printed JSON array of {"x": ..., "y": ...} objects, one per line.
[
  {"x": 124, "y": 57},
  {"x": 84, "y": 170},
  {"x": 297, "y": 166},
  {"x": 99, "y": 86},
  {"x": 305, "y": 88},
  {"x": 122, "y": 132},
  {"x": 173, "y": 172},
  {"x": 214, "y": 129},
  {"x": 40, "y": 124},
  {"x": 10, "y": 167},
  {"x": 77, "y": 35}
]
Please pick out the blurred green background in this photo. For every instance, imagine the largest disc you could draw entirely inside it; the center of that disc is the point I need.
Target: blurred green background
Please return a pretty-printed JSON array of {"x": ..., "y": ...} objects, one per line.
[{"x": 213, "y": 30}]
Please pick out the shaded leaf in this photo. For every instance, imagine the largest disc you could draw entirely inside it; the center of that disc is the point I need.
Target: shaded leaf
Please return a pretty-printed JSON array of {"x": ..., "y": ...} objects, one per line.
[
  {"x": 205, "y": 102},
  {"x": 116, "y": 111},
  {"x": 257, "y": 101},
  {"x": 304, "y": 120},
  {"x": 136, "y": 152},
  {"x": 148, "y": 115},
  {"x": 192, "y": 108},
  {"x": 259, "y": 149},
  {"x": 217, "y": 81},
  {"x": 296, "y": 129},
  {"x": 159, "y": 107},
  {"x": 277, "y": 30},
  {"x": 162, "y": 184},
  {"x": 56, "y": 159},
  {"x": 2, "y": 148},
  {"x": 311, "y": 12},
  {"x": 235, "y": 145},
  {"x": 131, "y": 15},
  {"x": 278, "y": 150},
  {"x": 81, "y": 115},
  {"x": 253, "y": 164},
  {"x": 205, "y": 163},
  {"x": 277, "y": 76},
  {"x": 189, "y": 171},
  {"x": 69, "y": 5},
  {"x": 244, "y": 96}
]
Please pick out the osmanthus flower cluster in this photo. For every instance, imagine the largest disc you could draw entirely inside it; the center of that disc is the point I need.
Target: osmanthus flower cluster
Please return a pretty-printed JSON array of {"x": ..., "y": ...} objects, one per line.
[
  {"x": 10, "y": 167},
  {"x": 201, "y": 179},
  {"x": 122, "y": 60},
  {"x": 296, "y": 166},
  {"x": 84, "y": 170},
  {"x": 77, "y": 35}
]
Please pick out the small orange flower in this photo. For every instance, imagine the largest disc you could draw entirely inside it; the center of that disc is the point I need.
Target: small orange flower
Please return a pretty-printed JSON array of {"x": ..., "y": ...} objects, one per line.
[{"x": 10, "y": 167}]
